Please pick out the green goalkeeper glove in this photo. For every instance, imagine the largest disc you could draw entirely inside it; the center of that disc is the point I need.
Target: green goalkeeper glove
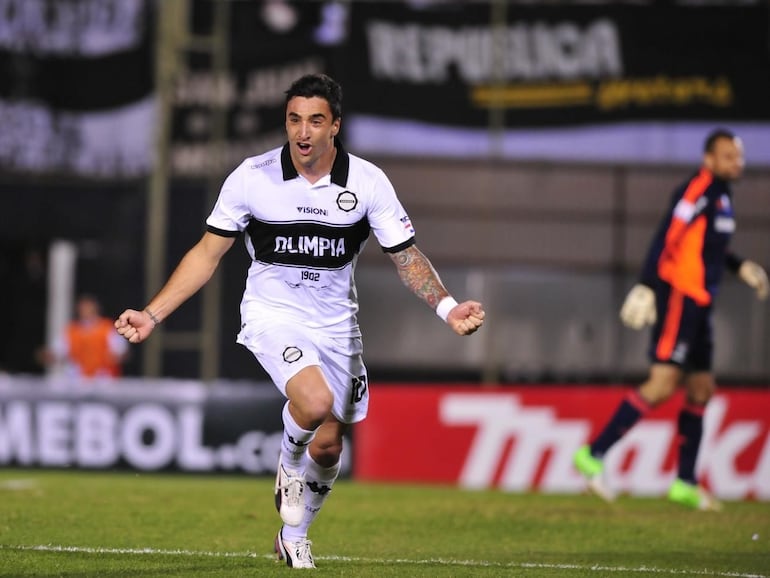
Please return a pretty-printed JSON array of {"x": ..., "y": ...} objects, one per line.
[{"x": 639, "y": 307}]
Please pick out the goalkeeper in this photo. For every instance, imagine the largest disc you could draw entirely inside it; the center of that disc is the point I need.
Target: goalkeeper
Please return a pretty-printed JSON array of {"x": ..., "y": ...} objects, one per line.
[{"x": 675, "y": 295}]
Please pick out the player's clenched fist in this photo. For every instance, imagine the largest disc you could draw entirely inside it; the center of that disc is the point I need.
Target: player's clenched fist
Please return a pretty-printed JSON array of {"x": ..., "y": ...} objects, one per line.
[
  {"x": 135, "y": 326},
  {"x": 465, "y": 318}
]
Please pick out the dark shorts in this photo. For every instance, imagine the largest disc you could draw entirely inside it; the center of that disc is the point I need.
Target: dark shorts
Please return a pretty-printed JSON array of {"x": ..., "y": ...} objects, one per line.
[{"x": 683, "y": 333}]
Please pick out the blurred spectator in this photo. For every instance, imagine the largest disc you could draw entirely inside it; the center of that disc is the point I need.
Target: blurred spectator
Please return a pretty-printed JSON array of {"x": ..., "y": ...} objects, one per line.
[{"x": 89, "y": 346}]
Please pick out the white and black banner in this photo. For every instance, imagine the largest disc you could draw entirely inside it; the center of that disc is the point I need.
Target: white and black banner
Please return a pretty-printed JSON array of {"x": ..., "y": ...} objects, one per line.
[
  {"x": 76, "y": 87},
  {"x": 271, "y": 44},
  {"x": 624, "y": 82}
]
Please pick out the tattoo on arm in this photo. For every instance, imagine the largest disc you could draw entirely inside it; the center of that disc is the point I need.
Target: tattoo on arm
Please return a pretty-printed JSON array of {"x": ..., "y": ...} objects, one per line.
[{"x": 419, "y": 276}]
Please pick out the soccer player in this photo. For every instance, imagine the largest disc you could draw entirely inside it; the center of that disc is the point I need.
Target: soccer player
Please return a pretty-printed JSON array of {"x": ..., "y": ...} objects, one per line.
[
  {"x": 675, "y": 295},
  {"x": 306, "y": 209}
]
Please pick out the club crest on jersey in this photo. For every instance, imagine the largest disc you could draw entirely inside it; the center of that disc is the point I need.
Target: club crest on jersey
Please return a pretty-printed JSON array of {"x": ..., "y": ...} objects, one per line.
[
  {"x": 347, "y": 201},
  {"x": 292, "y": 354},
  {"x": 311, "y": 245},
  {"x": 723, "y": 224},
  {"x": 723, "y": 204}
]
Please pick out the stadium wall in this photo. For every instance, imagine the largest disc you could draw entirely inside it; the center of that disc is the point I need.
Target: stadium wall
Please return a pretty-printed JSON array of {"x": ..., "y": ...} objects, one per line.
[
  {"x": 550, "y": 249},
  {"x": 518, "y": 438}
]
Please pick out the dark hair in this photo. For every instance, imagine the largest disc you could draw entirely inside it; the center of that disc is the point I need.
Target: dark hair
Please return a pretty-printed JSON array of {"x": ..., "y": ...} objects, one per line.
[
  {"x": 319, "y": 85},
  {"x": 87, "y": 297},
  {"x": 714, "y": 136}
]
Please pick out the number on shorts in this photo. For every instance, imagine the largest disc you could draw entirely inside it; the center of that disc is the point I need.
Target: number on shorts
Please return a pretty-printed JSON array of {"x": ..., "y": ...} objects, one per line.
[{"x": 359, "y": 389}]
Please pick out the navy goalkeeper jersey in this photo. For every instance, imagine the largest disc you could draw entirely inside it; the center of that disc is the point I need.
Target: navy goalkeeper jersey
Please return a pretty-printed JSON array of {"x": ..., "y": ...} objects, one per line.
[{"x": 690, "y": 247}]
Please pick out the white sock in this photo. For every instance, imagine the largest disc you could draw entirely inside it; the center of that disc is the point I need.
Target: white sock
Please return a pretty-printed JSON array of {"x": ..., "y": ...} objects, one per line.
[
  {"x": 318, "y": 485},
  {"x": 294, "y": 443}
]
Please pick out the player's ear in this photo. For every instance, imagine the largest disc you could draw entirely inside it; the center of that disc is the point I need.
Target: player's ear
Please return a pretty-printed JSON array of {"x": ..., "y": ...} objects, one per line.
[{"x": 708, "y": 160}]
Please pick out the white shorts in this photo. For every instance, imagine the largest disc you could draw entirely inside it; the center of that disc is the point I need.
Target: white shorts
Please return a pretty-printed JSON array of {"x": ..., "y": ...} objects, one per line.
[{"x": 284, "y": 349}]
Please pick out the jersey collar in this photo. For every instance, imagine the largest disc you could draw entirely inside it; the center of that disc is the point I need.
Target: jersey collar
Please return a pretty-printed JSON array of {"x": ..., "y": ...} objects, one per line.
[
  {"x": 715, "y": 179},
  {"x": 340, "y": 168}
]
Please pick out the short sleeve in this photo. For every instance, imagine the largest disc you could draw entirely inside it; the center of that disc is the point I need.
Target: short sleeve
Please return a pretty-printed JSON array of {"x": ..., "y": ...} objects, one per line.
[
  {"x": 230, "y": 214},
  {"x": 389, "y": 221}
]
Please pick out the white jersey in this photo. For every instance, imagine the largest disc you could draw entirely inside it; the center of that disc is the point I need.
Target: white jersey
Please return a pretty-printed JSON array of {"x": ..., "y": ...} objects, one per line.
[{"x": 304, "y": 239}]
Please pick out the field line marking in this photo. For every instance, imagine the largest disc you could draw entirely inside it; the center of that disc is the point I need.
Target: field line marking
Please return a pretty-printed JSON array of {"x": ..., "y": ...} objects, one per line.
[{"x": 383, "y": 561}]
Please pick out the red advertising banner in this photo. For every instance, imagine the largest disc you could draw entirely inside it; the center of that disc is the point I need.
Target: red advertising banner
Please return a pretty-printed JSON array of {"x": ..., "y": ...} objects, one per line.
[{"x": 523, "y": 439}]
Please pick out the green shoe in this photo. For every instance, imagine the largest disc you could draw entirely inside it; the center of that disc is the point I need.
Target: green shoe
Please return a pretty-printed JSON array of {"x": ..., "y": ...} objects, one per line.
[
  {"x": 591, "y": 468},
  {"x": 692, "y": 496},
  {"x": 586, "y": 464},
  {"x": 684, "y": 494}
]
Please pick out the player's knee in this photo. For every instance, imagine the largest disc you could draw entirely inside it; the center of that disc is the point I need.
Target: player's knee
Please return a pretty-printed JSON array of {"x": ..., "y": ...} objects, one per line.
[
  {"x": 701, "y": 391},
  {"x": 699, "y": 398},
  {"x": 662, "y": 383},
  {"x": 315, "y": 406},
  {"x": 655, "y": 392}
]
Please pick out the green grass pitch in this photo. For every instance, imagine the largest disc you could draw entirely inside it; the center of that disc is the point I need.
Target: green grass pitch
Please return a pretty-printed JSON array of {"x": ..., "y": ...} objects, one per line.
[{"x": 69, "y": 523}]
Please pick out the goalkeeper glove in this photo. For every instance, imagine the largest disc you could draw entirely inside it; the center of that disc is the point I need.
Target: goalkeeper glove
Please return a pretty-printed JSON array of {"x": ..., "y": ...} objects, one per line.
[
  {"x": 755, "y": 277},
  {"x": 639, "y": 307}
]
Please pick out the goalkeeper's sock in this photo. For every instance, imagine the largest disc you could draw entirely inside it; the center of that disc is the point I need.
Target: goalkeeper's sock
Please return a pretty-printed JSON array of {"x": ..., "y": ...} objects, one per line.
[
  {"x": 630, "y": 411},
  {"x": 690, "y": 429}
]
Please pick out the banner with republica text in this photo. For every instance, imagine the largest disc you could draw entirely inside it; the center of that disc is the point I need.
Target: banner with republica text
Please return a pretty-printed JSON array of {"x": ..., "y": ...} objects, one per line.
[
  {"x": 523, "y": 438},
  {"x": 548, "y": 65},
  {"x": 606, "y": 82}
]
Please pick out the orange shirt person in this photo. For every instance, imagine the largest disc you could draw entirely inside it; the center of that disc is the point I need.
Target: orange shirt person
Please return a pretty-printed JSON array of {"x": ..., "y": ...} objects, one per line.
[{"x": 90, "y": 346}]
